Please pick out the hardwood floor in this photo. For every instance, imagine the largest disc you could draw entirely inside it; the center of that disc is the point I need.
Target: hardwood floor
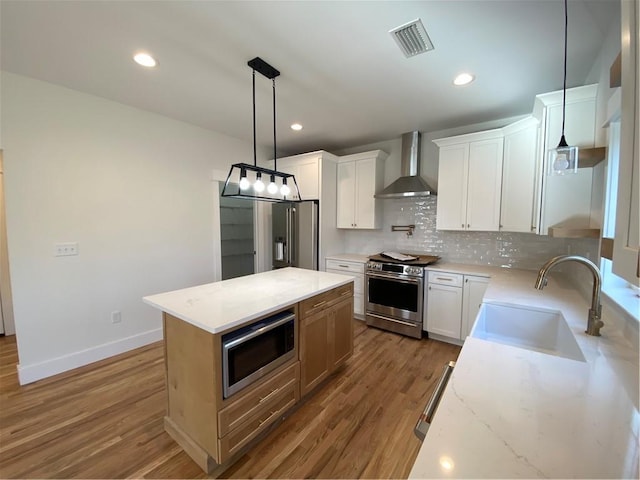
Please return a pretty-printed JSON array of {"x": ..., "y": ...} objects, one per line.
[{"x": 105, "y": 420}]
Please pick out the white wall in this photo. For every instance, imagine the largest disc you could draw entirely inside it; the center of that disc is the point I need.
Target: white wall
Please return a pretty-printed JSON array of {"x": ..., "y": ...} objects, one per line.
[{"x": 132, "y": 188}]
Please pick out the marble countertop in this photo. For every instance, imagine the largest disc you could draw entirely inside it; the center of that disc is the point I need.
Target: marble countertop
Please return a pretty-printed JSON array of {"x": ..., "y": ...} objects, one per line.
[
  {"x": 220, "y": 306},
  {"x": 509, "y": 412}
]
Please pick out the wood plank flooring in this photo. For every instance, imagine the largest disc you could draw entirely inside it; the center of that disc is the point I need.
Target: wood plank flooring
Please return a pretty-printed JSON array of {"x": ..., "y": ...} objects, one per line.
[{"x": 105, "y": 420}]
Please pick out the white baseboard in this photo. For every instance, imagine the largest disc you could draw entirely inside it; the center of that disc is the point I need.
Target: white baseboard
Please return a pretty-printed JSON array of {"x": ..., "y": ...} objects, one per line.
[{"x": 38, "y": 371}]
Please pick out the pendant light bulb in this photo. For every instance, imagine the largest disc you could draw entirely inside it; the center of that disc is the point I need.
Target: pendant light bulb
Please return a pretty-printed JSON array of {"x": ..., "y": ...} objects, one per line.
[
  {"x": 259, "y": 185},
  {"x": 244, "y": 181},
  {"x": 285, "y": 190},
  {"x": 272, "y": 188}
]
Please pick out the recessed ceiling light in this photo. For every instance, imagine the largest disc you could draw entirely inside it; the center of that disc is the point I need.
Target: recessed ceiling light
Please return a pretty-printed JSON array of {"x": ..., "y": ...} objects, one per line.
[
  {"x": 463, "y": 79},
  {"x": 145, "y": 60},
  {"x": 296, "y": 126}
]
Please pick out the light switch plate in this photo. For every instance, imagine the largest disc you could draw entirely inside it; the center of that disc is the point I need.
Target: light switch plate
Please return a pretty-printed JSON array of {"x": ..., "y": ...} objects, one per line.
[{"x": 65, "y": 249}]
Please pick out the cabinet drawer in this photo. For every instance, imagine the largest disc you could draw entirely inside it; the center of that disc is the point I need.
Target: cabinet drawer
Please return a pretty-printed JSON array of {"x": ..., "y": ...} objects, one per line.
[
  {"x": 446, "y": 278},
  {"x": 247, "y": 405},
  {"x": 324, "y": 300},
  {"x": 269, "y": 413},
  {"x": 353, "y": 267}
]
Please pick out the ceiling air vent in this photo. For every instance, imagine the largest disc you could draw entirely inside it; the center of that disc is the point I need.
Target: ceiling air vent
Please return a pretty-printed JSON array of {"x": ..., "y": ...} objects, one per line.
[{"x": 412, "y": 38}]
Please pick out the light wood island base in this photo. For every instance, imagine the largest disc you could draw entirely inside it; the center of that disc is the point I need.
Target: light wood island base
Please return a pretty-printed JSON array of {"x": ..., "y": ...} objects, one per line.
[{"x": 215, "y": 431}]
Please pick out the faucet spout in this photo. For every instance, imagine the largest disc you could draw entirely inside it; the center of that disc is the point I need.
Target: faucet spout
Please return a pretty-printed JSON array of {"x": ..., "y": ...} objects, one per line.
[{"x": 594, "y": 323}]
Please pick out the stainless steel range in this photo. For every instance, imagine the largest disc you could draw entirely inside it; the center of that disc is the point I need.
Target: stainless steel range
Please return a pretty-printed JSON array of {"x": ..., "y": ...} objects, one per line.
[{"x": 394, "y": 290}]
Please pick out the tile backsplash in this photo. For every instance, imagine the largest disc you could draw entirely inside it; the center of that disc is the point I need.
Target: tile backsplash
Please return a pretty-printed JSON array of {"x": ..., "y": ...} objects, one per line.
[{"x": 500, "y": 249}]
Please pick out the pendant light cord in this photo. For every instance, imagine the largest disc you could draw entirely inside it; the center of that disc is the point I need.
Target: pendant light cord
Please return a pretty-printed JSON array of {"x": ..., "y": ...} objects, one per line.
[
  {"x": 564, "y": 87},
  {"x": 255, "y": 156},
  {"x": 275, "y": 158}
]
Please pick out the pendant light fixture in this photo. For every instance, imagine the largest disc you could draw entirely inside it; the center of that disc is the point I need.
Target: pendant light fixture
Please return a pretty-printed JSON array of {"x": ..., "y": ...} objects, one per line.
[
  {"x": 248, "y": 181},
  {"x": 563, "y": 159}
]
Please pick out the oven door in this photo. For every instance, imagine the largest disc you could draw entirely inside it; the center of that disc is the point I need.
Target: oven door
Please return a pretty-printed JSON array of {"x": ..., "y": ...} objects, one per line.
[{"x": 394, "y": 295}]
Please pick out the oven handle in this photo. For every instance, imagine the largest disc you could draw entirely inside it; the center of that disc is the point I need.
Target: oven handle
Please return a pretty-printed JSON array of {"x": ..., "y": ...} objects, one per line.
[
  {"x": 259, "y": 331},
  {"x": 387, "y": 319},
  {"x": 427, "y": 415},
  {"x": 416, "y": 280}
]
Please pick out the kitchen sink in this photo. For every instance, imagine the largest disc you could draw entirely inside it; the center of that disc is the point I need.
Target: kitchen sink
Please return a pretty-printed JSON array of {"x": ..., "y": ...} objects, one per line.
[{"x": 539, "y": 330}]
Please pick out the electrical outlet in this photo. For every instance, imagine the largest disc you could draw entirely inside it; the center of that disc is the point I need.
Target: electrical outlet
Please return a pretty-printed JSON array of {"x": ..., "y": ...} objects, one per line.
[
  {"x": 65, "y": 249},
  {"x": 116, "y": 317}
]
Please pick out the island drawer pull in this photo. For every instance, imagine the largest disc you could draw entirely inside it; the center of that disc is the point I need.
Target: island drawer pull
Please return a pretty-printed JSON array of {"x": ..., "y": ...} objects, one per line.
[
  {"x": 319, "y": 303},
  {"x": 261, "y": 422},
  {"x": 268, "y": 395},
  {"x": 424, "y": 421}
]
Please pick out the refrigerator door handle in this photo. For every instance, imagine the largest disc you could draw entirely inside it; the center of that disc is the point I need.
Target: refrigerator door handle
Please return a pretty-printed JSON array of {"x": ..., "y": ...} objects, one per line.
[
  {"x": 287, "y": 246},
  {"x": 293, "y": 261}
]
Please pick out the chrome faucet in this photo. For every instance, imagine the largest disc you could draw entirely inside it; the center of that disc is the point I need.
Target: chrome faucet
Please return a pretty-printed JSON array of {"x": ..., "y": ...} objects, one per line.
[{"x": 594, "y": 324}]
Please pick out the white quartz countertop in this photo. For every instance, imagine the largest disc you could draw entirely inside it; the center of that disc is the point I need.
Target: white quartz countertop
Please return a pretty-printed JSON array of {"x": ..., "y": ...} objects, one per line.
[
  {"x": 509, "y": 412},
  {"x": 220, "y": 306}
]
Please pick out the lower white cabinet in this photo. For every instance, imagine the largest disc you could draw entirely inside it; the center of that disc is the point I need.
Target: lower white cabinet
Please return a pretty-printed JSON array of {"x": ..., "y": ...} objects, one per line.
[
  {"x": 472, "y": 293},
  {"x": 356, "y": 270},
  {"x": 453, "y": 300}
]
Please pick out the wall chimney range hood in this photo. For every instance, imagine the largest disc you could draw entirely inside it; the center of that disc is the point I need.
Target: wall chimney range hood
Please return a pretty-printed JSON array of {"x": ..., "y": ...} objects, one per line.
[{"x": 410, "y": 184}]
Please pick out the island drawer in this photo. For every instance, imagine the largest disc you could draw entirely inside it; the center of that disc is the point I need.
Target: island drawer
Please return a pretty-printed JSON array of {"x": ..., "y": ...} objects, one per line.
[
  {"x": 324, "y": 300},
  {"x": 257, "y": 399},
  {"x": 259, "y": 420}
]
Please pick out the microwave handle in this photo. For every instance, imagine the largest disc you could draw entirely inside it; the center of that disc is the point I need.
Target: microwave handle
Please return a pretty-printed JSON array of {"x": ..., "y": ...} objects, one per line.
[{"x": 259, "y": 331}]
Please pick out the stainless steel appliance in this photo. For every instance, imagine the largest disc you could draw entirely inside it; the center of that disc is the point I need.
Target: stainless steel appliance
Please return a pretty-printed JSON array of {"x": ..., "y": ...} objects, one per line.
[
  {"x": 394, "y": 291},
  {"x": 251, "y": 352},
  {"x": 294, "y": 228}
]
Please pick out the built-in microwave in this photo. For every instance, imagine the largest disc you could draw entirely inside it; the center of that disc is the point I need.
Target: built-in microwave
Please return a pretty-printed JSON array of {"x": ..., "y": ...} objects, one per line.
[{"x": 251, "y": 352}]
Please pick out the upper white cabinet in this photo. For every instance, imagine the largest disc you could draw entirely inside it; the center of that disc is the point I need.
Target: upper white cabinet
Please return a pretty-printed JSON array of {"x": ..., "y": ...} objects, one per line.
[
  {"x": 306, "y": 168},
  {"x": 519, "y": 176},
  {"x": 565, "y": 199},
  {"x": 469, "y": 181},
  {"x": 360, "y": 177}
]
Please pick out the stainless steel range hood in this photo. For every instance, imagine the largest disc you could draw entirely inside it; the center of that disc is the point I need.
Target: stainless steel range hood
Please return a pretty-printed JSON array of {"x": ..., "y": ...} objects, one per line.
[{"x": 410, "y": 184}]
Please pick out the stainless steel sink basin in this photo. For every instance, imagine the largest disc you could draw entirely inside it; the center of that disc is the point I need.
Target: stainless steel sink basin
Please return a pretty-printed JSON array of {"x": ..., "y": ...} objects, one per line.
[{"x": 539, "y": 330}]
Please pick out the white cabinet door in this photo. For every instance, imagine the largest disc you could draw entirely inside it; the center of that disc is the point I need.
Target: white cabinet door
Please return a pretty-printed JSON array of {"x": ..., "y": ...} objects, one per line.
[
  {"x": 452, "y": 187},
  {"x": 444, "y": 310},
  {"x": 365, "y": 203},
  {"x": 346, "y": 199},
  {"x": 308, "y": 179},
  {"x": 472, "y": 293},
  {"x": 307, "y": 175},
  {"x": 359, "y": 179},
  {"x": 519, "y": 176},
  {"x": 483, "y": 187}
]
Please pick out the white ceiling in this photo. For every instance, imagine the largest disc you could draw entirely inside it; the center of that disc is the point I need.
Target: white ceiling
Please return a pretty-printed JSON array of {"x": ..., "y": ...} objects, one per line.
[{"x": 342, "y": 75}]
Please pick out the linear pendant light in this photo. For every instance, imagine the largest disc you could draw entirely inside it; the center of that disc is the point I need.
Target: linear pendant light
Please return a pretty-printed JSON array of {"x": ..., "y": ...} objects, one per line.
[
  {"x": 563, "y": 159},
  {"x": 248, "y": 181}
]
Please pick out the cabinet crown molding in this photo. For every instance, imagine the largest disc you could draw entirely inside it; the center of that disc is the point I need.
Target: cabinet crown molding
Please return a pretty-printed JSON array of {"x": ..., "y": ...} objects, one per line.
[
  {"x": 469, "y": 137},
  {"x": 576, "y": 94},
  {"x": 319, "y": 154},
  {"x": 378, "y": 154}
]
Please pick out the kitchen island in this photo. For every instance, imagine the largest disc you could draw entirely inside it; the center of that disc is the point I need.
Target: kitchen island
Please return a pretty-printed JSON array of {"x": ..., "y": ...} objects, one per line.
[{"x": 212, "y": 425}]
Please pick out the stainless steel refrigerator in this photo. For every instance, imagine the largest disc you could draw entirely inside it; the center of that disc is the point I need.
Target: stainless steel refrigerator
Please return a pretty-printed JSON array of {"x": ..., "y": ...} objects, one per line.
[{"x": 294, "y": 229}]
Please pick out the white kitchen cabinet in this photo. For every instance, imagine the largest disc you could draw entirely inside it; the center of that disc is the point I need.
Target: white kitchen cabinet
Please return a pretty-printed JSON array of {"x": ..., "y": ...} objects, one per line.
[
  {"x": 453, "y": 300},
  {"x": 360, "y": 177},
  {"x": 306, "y": 169},
  {"x": 444, "y": 304},
  {"x": 469, "y": 181},
  {"x": 565, "y": 199},
  {"x": 472, "y": 292},
  {"x": 355, "y": 270},
  {"x": 519, "y": 168}
]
